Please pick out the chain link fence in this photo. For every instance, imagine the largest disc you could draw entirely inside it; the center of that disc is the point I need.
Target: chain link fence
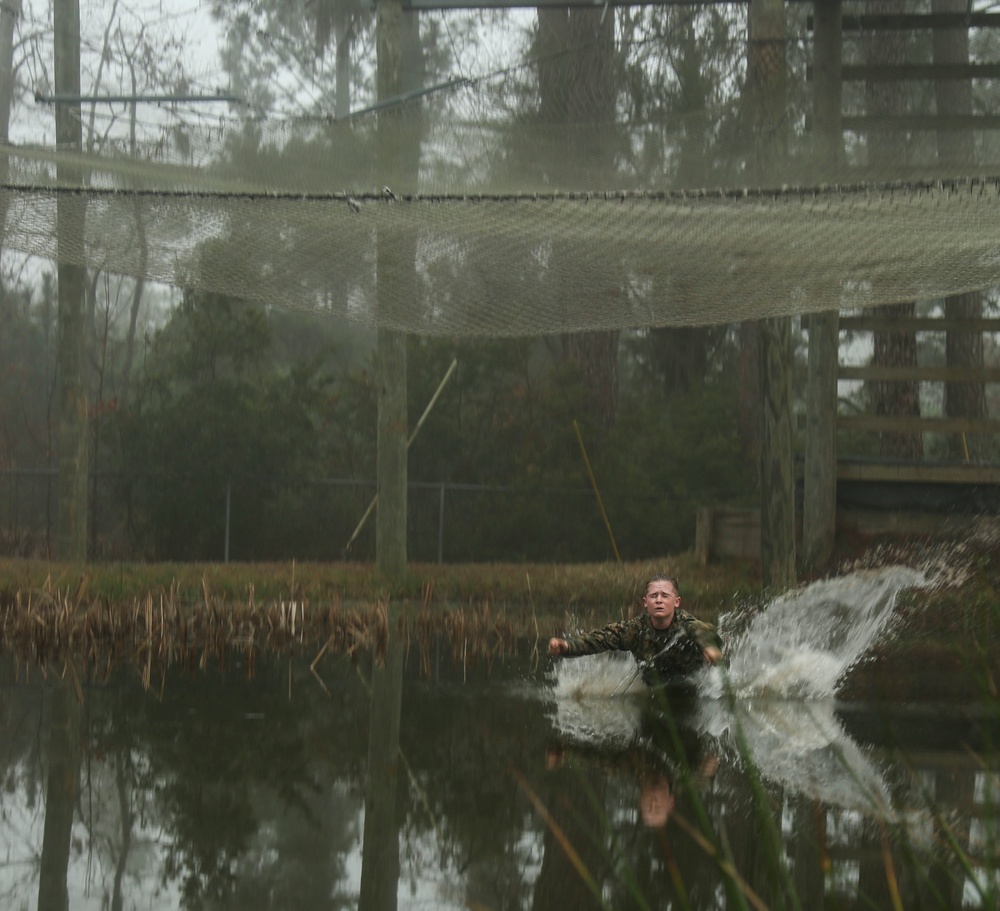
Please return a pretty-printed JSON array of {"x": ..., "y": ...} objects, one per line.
[{"x": 266, "y": 518}]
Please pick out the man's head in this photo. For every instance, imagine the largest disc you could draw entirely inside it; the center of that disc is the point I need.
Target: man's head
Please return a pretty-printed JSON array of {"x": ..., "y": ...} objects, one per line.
[
  {"x": 656, "y": 801},
  {"x": 661, "y": 600}
]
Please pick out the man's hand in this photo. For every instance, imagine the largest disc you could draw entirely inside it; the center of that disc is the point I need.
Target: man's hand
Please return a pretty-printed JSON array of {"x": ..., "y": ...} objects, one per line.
[
  {"x": 557, "y": 646},
  {"x": 712, "y": 654}
]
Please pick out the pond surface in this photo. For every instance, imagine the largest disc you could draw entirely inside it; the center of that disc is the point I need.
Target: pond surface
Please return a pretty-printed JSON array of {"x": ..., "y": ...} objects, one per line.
[{"x": 429, "y": 782}]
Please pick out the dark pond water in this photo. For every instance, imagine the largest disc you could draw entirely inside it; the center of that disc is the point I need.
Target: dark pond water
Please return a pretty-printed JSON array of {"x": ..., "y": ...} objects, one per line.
[{"x": 436, "y": 784}]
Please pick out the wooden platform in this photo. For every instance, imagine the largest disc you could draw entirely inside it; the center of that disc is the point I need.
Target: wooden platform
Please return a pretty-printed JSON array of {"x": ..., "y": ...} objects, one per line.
[{"x": 917, "y": 472}]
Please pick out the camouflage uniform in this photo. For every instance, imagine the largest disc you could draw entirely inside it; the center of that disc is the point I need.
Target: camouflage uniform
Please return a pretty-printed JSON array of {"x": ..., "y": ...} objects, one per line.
[{"x": 663, "y": 654}]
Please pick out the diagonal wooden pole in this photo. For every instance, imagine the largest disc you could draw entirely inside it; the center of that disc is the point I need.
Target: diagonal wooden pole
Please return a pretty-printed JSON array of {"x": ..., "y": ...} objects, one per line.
[
  {"x": 597, "y": 492},
  {"x": 416, "y": 430}
]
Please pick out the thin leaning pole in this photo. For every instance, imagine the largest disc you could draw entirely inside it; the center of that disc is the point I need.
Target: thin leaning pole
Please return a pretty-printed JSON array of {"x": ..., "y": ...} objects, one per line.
[
  {"x": 413, "y": 435},
  {"x": 597, "y": 492}
]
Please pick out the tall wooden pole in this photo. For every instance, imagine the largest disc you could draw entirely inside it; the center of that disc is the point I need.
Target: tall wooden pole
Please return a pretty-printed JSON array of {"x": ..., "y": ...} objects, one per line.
[
  {"x": 71, "y": 542},
  {"x": 956, "y": 151},
  {"x": 391, "y": 469},
  {"x": 819, "y": 510},
  {"x": 767, "y": 85}
]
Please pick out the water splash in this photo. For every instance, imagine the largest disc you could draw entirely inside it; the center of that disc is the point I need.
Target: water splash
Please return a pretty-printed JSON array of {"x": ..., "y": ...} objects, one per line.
[
  {"x": 783, "y": 672},
  {"x": 591, "y": 698},
  {"x": 804, "y": 641}
]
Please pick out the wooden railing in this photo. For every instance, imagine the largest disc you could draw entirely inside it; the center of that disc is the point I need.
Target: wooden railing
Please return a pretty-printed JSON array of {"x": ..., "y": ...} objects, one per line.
[{"x": 952, "y": 472}]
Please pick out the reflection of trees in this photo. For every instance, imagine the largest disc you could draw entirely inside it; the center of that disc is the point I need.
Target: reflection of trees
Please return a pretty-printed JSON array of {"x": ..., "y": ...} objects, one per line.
[
  {"x": 245, "y": 783},
  {"x": 254, "y": 799},
  {"x": 225, "y": 754},
  {"x": 122, "y": 769},
  {"x": 577, "y": 809},
  {"x": 461, "y": 738}
]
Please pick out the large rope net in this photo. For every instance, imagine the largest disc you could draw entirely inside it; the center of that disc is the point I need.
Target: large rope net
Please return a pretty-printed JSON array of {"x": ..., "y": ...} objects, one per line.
[{"x": 543, "y": 193}]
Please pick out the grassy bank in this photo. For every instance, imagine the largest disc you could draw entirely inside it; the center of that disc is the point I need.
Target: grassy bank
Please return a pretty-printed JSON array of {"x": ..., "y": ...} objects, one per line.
[
  {"x": 602, "y": 588},
  {"x": 952, "y": 628}
]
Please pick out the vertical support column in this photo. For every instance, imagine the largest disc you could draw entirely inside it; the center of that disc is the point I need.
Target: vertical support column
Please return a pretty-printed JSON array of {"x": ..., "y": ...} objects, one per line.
[
  {"x": 767, "y": 90},
  {"x": 777, "y": 470},
  {"x": 391, "y": 470},
  {"x": 71, "y": 541},
  {"x": 819, "y": 512}
]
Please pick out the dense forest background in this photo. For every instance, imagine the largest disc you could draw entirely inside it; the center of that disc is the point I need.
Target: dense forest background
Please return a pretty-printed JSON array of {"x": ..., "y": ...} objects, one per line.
[
  {"x": 279, "y": 408},
  {"x": 221, "y": 429}
]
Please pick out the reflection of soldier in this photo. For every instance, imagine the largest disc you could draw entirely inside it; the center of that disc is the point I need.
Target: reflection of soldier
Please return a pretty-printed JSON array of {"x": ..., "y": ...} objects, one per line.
[
  {"x": 657, "y": 760},
  {"x": 656, "y": 801},
  {"x": 667, "y": 642}
]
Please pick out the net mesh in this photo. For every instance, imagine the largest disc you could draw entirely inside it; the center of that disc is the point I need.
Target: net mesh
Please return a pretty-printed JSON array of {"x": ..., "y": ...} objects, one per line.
[{"x": 549, "y": 195}]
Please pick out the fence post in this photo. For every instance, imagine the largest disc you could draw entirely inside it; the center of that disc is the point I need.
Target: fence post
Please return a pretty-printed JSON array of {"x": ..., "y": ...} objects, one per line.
[
  {"x": 229, "y": 491},
  {"x": 441, "y": 523}
]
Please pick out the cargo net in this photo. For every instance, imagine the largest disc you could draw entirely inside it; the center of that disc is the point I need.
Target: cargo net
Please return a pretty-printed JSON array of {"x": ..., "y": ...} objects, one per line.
[{"x": 544, "y": 192}]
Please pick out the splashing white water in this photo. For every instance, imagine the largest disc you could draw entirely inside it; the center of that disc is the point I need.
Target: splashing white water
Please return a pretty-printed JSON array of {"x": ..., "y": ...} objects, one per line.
[
  {"x": 803, "y": 642},
  {"x": 783, "y": 671},
  {"x": 591, "y": 697}
]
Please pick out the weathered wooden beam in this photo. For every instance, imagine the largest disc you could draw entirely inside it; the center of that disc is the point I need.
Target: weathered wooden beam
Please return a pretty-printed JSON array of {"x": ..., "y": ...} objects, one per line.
[
  {"x": 899, "y": 72},
  {"x": 891, "y": 424},
  {"x": 910, "y": 22},
  {"x": 921, "y": 374},
  {"x": 916, "y": 324},
  {"x": 421, "y": 5},
  {"x": 915, "y": 122},
  {"x": 919, "y": 472}
]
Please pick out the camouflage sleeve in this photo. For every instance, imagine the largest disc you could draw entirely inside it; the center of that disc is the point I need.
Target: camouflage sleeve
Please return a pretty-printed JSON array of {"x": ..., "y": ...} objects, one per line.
[
  {"x": 614, "y": 637},
  {"x": 703, "y": 633}
]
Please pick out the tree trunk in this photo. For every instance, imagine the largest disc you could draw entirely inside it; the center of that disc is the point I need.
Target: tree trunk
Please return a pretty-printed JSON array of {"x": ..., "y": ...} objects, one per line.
[
  {"x": 899, "y": 398},
  {"x": 10, "y": 12},
  {"x": 577, "y": 91},
  {"x": 748, "y": 418},
  {"x": 596, "y": 354},
  {"x": 73, "y": 459},
  {"x": 143, "y": 244}
]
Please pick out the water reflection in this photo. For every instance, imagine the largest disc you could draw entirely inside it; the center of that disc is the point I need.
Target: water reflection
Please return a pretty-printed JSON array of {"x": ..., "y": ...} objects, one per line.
[
  {"x": 380, "y": 853},
  {"x": 383, "y": 786}
]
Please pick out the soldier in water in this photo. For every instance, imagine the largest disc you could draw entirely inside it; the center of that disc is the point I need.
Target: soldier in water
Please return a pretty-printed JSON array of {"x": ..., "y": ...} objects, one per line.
[{"x": 668, "y": 643}]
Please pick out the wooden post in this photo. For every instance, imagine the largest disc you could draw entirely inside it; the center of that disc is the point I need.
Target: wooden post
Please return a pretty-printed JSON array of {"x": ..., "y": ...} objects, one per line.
[
  {"x": 828, "y": 132},
  {"x": 777, "y": 487},
  {"x": 956, "y": 151},
  {"x": 767, "y": 85},
  {"x": 71, "y": 541},
  {"x": 819, "y": 512},
  {"x": 819, "y": 509},
  {"x": 391, "y": 468},
  {"x": 703, "y": 534}
]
